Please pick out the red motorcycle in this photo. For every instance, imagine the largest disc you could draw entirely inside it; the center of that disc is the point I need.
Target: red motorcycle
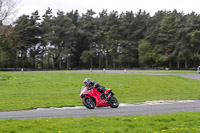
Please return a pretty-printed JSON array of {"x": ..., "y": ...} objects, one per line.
[{"x": 92, "y": 98}]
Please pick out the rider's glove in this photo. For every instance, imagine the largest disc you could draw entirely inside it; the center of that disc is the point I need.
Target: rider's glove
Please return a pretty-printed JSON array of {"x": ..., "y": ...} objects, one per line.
[{"x": 90, "y": 88}]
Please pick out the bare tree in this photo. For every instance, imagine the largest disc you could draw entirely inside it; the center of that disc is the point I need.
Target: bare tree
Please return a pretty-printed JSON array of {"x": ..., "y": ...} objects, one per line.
[{"x": 7, "y": 9}]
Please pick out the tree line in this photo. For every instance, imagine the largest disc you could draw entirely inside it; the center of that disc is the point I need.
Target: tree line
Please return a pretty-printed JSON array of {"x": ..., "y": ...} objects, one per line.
[{"x": 101, "y": 40}]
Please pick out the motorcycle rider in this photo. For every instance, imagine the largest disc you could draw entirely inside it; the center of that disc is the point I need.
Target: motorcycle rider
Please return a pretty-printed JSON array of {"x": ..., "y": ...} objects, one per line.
[{"x": 93, "y": 84}]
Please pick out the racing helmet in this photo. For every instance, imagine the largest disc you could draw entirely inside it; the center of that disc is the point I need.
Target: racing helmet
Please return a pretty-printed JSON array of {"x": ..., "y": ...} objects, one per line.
[{"x": 87, "y": 81}]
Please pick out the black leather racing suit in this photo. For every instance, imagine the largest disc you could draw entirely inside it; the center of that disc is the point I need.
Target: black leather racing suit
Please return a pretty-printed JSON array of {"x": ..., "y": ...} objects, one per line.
[{"x": 94, "y": 84}]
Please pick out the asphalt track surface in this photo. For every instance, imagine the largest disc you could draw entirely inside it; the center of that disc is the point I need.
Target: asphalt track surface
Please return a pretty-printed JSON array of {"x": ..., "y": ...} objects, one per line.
[
  {"x": 122, "y": 110},
  {"x": 131, "y": 109},
  {"x": 175, "y": 73}
]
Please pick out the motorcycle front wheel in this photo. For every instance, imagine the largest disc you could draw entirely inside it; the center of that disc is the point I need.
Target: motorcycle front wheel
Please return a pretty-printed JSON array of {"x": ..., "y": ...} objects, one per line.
[
  {"x": 113, "y": 102},
  {"x": 88, "y": 102}
]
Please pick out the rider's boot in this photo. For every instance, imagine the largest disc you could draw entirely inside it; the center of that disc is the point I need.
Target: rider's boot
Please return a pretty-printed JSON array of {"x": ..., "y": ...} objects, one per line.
[
  {"x": 102, "y": 96},
  {"x": 105, "y": 95}
]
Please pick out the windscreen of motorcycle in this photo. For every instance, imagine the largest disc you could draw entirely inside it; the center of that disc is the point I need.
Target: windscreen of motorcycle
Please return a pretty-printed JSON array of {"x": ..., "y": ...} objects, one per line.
[{"x": 83, "y": 89}]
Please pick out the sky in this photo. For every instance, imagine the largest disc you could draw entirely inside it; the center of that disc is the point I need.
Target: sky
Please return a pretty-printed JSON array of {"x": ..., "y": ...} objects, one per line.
[{"x": 150, "y": 6}]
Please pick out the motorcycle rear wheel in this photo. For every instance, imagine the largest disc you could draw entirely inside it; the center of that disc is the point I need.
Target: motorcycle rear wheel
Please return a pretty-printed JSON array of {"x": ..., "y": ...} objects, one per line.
[
  {"x": 113, "y": 102},
  {"x": 89, "y": 103}
]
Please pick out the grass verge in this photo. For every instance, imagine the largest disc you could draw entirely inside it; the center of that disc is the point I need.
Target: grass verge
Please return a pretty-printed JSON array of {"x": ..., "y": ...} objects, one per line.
[
  {"x": 31, "y": 90},
  {"x": 170, "y": 123}
]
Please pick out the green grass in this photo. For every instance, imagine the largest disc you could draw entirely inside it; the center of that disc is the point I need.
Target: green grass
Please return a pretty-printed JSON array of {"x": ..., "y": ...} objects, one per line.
[
  {"x": 169, "y": 123},
  {"x": 31, "y": 90},
  {"x": 178, "y": 71}
]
